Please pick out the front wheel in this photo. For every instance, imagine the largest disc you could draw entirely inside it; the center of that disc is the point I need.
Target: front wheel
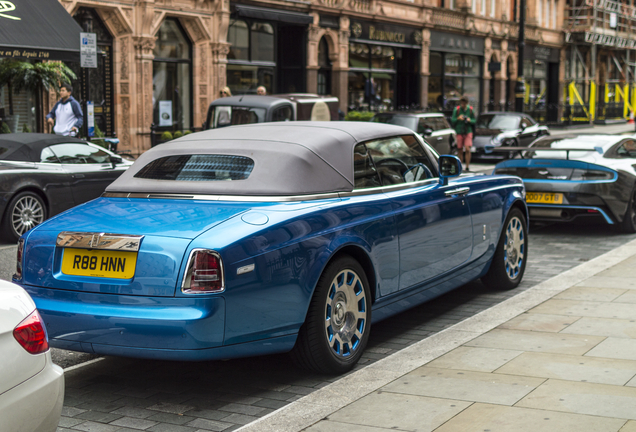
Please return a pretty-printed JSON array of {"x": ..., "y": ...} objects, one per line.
[
  {"x": 628, "y": 225},
  {"x": 336, "y": 330},
  {"x": 509, "y": 263},
  {"x": 25, "y": 211}
]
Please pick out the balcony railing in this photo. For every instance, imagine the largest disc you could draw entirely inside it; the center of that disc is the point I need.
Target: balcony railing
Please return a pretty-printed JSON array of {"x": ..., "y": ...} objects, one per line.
[{"x": 449, "y": 18}]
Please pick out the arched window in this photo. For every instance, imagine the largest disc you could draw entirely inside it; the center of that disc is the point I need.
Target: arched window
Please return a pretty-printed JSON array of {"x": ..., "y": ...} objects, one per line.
[
  {"x": 238, "y": 37},
  {"x": 172, "y": 77},
  {"x": 324, "y": 73}
]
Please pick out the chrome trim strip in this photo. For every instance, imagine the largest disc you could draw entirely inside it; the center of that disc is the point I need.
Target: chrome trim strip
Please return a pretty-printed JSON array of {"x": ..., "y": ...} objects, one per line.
[
  {"x": 185, "y": 283},
  {"x": 246, "y": 198},
  {"x": 104, "y": 241}
]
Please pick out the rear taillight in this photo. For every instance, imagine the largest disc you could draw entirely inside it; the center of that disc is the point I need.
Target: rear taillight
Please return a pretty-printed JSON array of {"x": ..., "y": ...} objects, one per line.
[
  {"x": 31, "y": 334},
  {"x": 204, "y": 273},
  {"x": 18, "y": 266}
]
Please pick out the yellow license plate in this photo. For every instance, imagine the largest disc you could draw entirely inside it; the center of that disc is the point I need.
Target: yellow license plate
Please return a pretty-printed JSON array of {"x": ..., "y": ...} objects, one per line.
[
  {"x": 544, "y": 198},
  {"x": 99, "y": 263}
]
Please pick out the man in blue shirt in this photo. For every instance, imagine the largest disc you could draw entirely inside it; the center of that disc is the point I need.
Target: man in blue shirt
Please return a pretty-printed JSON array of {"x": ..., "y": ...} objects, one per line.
[{"x": 66, "y": 114}]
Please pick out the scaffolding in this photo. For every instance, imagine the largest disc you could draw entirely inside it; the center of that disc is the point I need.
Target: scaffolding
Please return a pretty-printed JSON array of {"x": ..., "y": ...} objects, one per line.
[{"x": 600, "y": 37}]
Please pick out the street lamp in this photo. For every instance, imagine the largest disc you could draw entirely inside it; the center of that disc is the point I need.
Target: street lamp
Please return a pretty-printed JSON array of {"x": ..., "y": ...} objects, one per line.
[{"x": 520, "y": 85}]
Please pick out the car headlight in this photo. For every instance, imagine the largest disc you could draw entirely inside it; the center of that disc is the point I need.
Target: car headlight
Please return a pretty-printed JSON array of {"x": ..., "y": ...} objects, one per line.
[{"x": 497, "y": 139}]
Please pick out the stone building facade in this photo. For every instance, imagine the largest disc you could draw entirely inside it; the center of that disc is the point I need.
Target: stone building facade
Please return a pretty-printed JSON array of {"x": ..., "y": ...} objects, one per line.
[{"x": 166, "y": 60}]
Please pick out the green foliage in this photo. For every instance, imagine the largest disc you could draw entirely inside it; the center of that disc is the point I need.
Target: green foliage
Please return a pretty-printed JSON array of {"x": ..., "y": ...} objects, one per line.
[
  {"x": 358, "y": 116},
  {"x": 177, "y": 134},
  {"x": 166, "y": 136},
  {"x": 4, "y": 129},
  {"x": 187, "y": 132},
  {"x": 24, "y": 75},
  {"x": 26, "y": 129},
  {"x": 98, "y": 132}
]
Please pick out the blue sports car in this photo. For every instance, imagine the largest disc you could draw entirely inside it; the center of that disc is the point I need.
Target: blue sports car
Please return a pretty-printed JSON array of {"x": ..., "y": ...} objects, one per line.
[
  {"x": 268, "y": 238},
  {"x": 579, "y": 176}
]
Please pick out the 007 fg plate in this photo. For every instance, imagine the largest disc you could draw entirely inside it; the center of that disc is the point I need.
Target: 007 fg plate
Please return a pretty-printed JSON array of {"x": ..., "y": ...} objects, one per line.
[{"x": 544, "y": 198}]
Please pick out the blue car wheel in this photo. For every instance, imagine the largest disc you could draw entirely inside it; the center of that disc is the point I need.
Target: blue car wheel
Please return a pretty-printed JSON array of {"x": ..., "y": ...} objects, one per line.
[
  {"x": 509, "y": 261},
  {"x": 337, "y": 326}
]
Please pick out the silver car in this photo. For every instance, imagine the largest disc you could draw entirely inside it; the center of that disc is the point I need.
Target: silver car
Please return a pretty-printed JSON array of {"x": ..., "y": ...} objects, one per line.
[
  {"x": 31, "y": 386},
  {"x": 433, "y": 127}
]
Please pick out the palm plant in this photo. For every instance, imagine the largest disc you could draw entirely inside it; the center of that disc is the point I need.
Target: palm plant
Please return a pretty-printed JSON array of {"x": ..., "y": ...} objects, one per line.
[{"x": 35, "y": 77}]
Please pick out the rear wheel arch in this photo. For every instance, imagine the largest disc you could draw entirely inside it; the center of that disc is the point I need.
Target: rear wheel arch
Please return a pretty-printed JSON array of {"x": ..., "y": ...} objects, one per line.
[
  {"x": 33, "y": 189},
  {"x": 359, "y": 254}
]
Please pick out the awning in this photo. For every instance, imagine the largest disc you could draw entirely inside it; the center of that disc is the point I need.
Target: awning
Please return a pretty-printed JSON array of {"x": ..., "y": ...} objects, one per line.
[
  {"x": 38, "y": 30},
  {"x": 273, "y": 15}
]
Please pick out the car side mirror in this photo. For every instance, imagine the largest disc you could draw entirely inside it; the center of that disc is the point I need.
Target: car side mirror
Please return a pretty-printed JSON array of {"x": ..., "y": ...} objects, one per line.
[
  {"x": 115, "y": 159},
  {"x": 449, "y": 166},
  {"x": 427, "y": 132}
]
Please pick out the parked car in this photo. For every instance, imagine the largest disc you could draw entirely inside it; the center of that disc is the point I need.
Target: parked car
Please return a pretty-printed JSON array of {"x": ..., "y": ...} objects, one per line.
[
  {"x": 268, "y": 238},
  {"x": 42, "y": 175},
  {"x": 500, "y": 129},
  {"x": 248, "y": 109},
  {"x": 433, "y": 127},
  {"x": 31, "y": 386},
  {"x": 574, "y": 176}
]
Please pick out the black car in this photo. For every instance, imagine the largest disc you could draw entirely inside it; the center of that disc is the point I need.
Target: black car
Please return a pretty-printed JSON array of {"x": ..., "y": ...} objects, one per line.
[
  {"x": 497, "y": 129},
  {"x": 42, "y": 175},
  {"x": 433, "y": 127}
]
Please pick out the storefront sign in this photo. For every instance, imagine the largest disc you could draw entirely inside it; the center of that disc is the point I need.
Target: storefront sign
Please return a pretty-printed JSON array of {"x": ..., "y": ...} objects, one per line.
[
  {"x": 88, "y": 50},
  {"x": 165, "y": 113},
  {"x": 389, "y": 34},
  {"x": 90, "y": 114},
  {"x": 449, "y": 42},
  {"x": 541, "y": 53},
  {"x": 5, "y": 8}
]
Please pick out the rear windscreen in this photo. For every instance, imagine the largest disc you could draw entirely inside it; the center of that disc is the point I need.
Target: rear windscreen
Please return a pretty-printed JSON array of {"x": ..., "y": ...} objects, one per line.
[{"x": 198, "y": 168}]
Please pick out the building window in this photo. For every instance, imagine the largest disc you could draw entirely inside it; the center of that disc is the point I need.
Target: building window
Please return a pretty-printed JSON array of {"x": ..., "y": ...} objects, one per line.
[
  {"x": 372, "y": 70},
  {"x": 451, "y": 77},
  {"x": 539, "y": 12},
  {"x": 483, "y": 7},
  {"x": 492, "y": 8},
  {"x": 324, "y": 73},
  {"x": 252, "y": 57},
  {"x": 536, "y": 75},
  {"x": 172, "y": 77}
]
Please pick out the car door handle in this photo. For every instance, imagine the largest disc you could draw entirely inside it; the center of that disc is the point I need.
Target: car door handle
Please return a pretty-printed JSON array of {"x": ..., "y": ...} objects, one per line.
[
  {"x": 439, "y": 138},
  {"x": 78, "y": 176},
  {"x": 458, "y": 192}
]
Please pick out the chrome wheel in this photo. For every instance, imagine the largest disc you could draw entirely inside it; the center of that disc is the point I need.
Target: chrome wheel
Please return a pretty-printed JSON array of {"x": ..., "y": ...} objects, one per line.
[
  {"x": 514, "y": 247},
  {"x": 27, "y": 212},
  {"x": 345, "y": 313}
]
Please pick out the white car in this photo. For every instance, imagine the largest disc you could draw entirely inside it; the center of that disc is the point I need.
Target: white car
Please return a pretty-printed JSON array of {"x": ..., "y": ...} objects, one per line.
[{"x": 31, "y": 386}]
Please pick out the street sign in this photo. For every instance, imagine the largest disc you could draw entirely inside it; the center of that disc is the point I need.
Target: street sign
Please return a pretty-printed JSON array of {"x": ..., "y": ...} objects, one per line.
[
  {"x": 90, "y": 114},
  {"x": 88, "y": 50}
]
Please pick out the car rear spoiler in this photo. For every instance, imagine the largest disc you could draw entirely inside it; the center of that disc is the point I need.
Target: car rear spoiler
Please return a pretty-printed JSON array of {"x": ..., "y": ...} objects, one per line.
[{"x": 525, "y": 151}]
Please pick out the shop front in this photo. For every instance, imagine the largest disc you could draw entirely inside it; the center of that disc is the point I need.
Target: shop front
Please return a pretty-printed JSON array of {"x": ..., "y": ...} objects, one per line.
[
  {"x": 384, "y": 66},
  {"x": 541, "y": 73},
  {"x": 268, "y": 48},
  {"x": 33, "y": 30},
  {"x": 456, "y": 70}
]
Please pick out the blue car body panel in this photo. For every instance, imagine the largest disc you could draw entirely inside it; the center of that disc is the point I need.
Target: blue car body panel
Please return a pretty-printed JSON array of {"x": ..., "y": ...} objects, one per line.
[{"x": 415, "y": 244}]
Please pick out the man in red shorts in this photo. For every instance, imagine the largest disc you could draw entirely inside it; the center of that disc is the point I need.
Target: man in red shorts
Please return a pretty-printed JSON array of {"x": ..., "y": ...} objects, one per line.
[{"x": 463, "y": 121}]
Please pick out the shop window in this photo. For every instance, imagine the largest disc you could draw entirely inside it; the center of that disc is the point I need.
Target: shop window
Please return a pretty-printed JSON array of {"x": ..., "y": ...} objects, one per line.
[
  {"x": 238, "y": 37},
  {"x": 372, "y": 71},
  {"x": 453, "y": 76},
  {"x": 262, "y": 42},
  {"x": 172, "y": 78}
]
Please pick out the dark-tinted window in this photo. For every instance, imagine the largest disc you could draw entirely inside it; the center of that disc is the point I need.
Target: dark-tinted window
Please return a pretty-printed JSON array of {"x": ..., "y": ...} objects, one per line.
[
  {"x": 400, "y": 160},
  {"x": 364, "y": 173},
  {"x": 498, "y": 121},
  {"x": 198, "y": 168},
  {"x": 627, "y": 149},
  {"x": 282, "y": 114},
  {"x": 79, "y": 154},
  {"x": 221, "y": 116}
]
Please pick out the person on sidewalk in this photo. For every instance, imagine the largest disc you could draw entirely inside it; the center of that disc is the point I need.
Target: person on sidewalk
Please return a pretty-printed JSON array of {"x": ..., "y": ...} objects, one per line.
[
  {"x": 261, "y": 91},
  {"x": 463, "y": 121},
  {"x": 66, "y": 114}
]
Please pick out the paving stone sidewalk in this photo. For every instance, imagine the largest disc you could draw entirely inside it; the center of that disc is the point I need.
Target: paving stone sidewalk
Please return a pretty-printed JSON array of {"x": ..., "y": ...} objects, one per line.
[{"x": 561, "y": 356}]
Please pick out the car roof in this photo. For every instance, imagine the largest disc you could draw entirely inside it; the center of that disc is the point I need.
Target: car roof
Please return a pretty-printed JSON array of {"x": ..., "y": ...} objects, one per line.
[
  {"x": 411, "y": 114},
  {"x": 250, "y": 101},
  {"x": 290, "y": 158},
  {"x": 28, "y": 146},
  {"x": 590, "y": 140}
]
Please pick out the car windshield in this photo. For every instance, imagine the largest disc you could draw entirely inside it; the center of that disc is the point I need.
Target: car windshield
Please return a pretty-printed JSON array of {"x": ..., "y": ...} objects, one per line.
[
  {"x": 227, "y": 116},
  {"x": 498, "y": 121},
  {"x": 396, "y": 119},
  {"x": 198, "y": 168}
]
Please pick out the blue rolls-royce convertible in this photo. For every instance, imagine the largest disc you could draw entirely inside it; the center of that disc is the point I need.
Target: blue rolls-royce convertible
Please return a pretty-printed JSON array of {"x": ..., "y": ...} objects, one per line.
[{"x": 268, "y": 238}]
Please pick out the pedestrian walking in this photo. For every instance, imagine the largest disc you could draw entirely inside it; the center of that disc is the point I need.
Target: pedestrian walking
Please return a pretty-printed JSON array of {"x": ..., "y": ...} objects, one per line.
[
  {"x": 66, "y": 114},
  {"x": 463, "y": 121}
]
